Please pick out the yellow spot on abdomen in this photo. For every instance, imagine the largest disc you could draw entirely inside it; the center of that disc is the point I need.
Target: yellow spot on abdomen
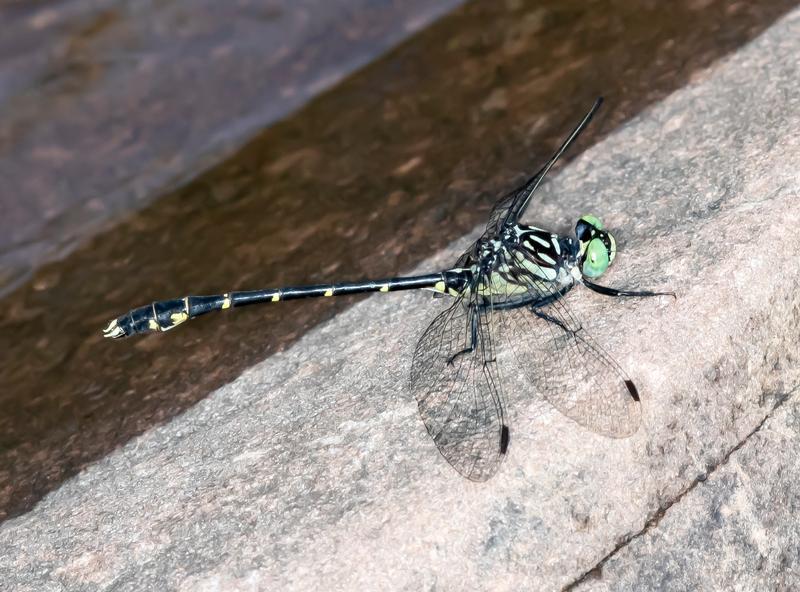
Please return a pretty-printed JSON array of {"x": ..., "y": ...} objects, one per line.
[
  {"x": 276, "y": 297},
  {"x": 177, "y": 318},
  {"x": 439, "y": 287},
  {"x": 385, "y": 288},
  {"x": 227, "y": 302},
  {"x": 153, "y": 325},
  {"x": 328, "y": 292}
]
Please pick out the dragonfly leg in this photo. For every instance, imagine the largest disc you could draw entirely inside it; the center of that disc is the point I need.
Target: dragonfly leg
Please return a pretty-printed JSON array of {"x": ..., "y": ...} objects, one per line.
[
  {"x": 558, "y": 322},
  {"x": 606, "y": 291},
  {"x": 473, "y": 338}
]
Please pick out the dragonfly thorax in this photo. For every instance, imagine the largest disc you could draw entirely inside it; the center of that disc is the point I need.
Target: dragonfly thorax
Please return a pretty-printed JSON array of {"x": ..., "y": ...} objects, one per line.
[{"x": 520, "y": 265}]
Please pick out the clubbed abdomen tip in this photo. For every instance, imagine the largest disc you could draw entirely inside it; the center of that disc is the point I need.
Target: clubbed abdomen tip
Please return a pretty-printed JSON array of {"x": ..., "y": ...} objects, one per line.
[{"x": 114, "y": 330}]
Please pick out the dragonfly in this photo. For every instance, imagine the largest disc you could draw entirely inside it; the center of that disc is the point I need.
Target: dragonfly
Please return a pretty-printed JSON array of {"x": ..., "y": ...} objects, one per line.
[{"x": 512, "y": 281}]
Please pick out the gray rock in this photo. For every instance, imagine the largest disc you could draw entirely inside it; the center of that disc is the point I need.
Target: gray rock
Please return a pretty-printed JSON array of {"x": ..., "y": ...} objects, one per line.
[
  {"x": 312, "y": 469},
  {"x": 737, "y": 530}
]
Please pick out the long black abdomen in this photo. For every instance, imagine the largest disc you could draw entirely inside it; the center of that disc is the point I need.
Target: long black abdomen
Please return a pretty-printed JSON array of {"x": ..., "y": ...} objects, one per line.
[{"x": 168, "y": 314}]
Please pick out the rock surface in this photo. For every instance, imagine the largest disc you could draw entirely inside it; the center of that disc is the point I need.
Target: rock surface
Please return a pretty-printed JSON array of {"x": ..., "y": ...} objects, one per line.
[
  {"x": 313, "y": 469},
  {"x": 737, "y": 530}
]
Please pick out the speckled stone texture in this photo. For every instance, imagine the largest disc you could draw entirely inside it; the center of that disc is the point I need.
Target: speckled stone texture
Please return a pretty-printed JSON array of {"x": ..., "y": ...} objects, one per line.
[
  {"x": 313, "y": 471},
  {"x": 738, "y": 530}
]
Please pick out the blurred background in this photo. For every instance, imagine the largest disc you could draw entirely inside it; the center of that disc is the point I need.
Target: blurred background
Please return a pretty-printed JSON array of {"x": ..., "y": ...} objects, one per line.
[{"x": 152, "y": 149}]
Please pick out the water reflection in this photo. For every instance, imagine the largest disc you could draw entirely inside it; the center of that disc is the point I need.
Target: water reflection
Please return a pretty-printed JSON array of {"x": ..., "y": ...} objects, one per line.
[{"x": 105, "y": 104}]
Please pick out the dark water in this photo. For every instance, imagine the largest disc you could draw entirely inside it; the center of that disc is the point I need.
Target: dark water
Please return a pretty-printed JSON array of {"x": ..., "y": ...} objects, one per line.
[
  {"x": 366, "y": 180},
  {"x": 105, "y": 104}
]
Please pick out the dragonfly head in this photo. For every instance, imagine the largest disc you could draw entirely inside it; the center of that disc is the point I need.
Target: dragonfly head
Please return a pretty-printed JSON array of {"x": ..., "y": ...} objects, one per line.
[{"x": 597, "y": 247}]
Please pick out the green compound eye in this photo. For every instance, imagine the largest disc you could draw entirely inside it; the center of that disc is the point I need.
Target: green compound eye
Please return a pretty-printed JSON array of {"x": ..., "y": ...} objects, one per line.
[
  {"x": 595, "y": 261},
  {"x": 593, "y": 221}
]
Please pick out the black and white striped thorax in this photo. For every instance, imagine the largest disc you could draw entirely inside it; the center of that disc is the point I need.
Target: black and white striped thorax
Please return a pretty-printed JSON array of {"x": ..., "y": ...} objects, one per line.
[{"x": 522, "y": 265}]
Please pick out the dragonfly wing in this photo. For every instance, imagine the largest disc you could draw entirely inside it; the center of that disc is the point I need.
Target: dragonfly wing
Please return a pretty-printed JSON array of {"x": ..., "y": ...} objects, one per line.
[
  {"x": 501, "y": 213},
  {"x": 455, "y": 380},
  {"x": 571, "y": 371},
  {"x": 510, "y": 208}
]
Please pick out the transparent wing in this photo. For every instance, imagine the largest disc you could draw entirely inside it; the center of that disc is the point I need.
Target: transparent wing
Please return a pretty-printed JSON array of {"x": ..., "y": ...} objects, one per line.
[
  {"x": 502, "y": 211},
  {"x": 567, "y": 366},
  {"x": 455, "y": 381},
  {"x": 510, "y": 208}
]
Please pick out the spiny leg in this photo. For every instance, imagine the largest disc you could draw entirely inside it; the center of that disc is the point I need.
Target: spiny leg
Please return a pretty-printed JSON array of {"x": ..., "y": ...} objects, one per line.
[
  {"x": 473, "y": 339},
  {"x": 555, "y": 321},
  {"x": 607, "y": 291}
]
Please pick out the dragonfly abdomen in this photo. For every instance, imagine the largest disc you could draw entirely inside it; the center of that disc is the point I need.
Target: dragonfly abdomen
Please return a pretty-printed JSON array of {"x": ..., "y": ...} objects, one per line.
[
  {"x": 168, "y": 314},
  {"x": 164, "y": 315}
]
